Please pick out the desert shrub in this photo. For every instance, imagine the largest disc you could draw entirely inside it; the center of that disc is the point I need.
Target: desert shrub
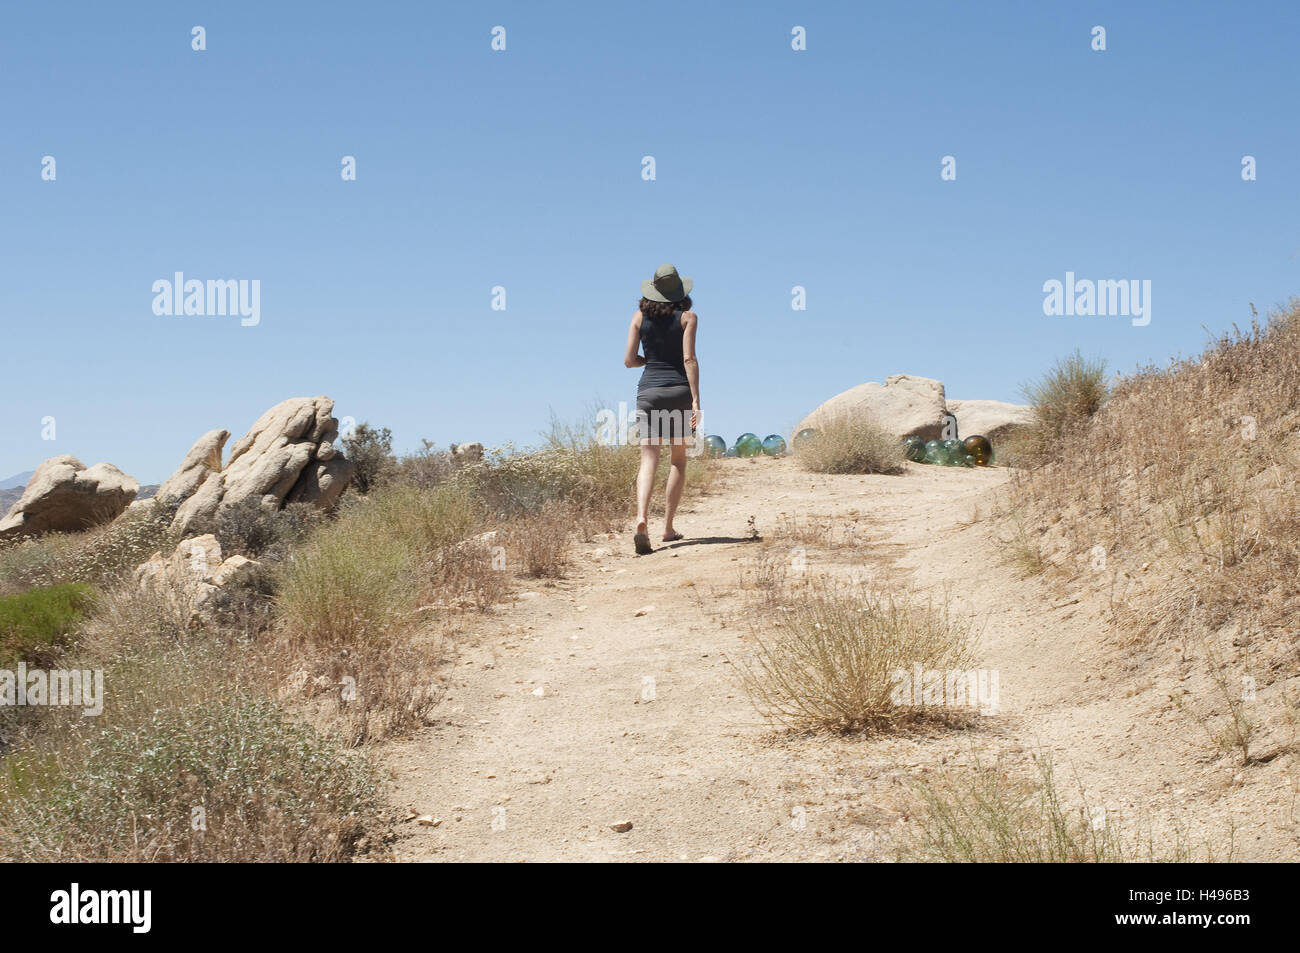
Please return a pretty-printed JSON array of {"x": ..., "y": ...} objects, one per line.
[
  {"x": 828, "y": 656},
  {"x": 598, "y": 480},
  {"x": 537, "y": 544},
  {"x": 97, "y": 556},
  {"x": 989, "y": 815},
  {"x": 250, "y": 529},
  {"x": 371, "y": 451},
  {"x": 188, "y": 722},
  {"x": 36, "y": 624},
  {"x": 258, "y": 786},
  {"x": 366, "y": 571},
  {"x": 1063, "y": 401},
  {"x": 426, "y": 467},
  {"x": 849, "y": 444}
]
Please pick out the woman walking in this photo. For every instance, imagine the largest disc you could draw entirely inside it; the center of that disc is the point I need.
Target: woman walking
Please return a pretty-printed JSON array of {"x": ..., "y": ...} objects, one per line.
[{"x": 669, "y": 390}]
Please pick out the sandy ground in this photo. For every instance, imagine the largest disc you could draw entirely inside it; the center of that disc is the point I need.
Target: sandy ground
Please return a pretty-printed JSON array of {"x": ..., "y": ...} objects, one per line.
[{"x": 571, "y": 713}]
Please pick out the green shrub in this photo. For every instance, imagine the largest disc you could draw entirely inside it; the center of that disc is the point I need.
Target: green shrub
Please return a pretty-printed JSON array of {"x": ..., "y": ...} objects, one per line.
[
  {"x": 36, "y": 624},
  {"x": 371, "y": 451}
]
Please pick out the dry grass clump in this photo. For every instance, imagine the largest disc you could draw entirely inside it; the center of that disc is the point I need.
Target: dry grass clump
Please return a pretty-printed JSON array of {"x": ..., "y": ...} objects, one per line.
[
  {"x": 1063, "y": 400},
  {"x": 851, "y": 444},
  {"x": 1190, "y": 474},
  {"x": 537, "y": 545},
  {"x": 365, "y": 573},
  {"x": 990, "y": 815},
  {"x": 96, "y": 556},
  {"x": 832, "y": 657}
]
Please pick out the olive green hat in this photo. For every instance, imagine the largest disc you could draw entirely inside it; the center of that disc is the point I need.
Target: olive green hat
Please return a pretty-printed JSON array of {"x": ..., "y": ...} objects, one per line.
[{"x": 666, "y": 285}]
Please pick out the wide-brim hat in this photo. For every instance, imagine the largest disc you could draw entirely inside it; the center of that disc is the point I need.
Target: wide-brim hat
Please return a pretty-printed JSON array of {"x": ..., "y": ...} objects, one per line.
[{"x": 666, "y": 285}]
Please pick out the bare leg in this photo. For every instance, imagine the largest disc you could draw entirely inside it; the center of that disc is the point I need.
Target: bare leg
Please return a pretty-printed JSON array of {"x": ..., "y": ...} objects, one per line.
[
  {"x": 645, "y": 484},
  {"x": 676, "y": 483}
]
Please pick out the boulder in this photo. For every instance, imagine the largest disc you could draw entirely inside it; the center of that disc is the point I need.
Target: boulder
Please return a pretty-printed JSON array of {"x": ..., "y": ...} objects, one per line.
[
  {"x": 64, "y": 495},
  {"x": 466, "y": 452},
  {"x": 904, "y": 405},
  {"x": 192, "y": 576},
  {"x": 994, "y": 419},
  {"x": 323, "y": 482},
  {"x": 287, "y": 456},
  {"x": 203, "y": 459}
]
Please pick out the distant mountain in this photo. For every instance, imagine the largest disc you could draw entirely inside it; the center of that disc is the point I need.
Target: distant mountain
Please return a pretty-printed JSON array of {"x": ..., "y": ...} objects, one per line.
[{"x": 18, "y": 480}]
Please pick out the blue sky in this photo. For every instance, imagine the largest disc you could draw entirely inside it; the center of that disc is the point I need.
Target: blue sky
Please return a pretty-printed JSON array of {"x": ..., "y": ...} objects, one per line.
[{"x": 522, "y": 169}]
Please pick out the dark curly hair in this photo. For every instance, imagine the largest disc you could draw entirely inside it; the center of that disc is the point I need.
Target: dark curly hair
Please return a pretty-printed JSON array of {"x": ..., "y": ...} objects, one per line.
[{"x": 664, "y": 309}]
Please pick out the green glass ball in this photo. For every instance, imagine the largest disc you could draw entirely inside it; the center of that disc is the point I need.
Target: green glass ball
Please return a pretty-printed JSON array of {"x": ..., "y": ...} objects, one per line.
[
  {"x": 715, "y": 445},
  {"x": 748, "y": 445},
  {"x": 774, "y": 445},
  {"x": 914, "y": 448}
]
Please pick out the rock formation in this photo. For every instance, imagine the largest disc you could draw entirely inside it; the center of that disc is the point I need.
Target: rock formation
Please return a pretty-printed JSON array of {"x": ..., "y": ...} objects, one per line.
[
  {"x": 994, "y": 419},
  {"x": 287, "y": 456},
  {"x": 193, "y": 575},
  {"x": 65, "y": 495},
  {"x": 903, "y": 405}
]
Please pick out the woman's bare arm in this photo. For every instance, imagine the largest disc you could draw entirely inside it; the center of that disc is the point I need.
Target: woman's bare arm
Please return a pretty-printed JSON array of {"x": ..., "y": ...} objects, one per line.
[
  {"x": 689, "y": 323},
  {"x": 631, "y": 358}
]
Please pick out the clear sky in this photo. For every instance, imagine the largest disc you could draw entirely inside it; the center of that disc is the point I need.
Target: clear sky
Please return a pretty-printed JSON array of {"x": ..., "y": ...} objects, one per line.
[{"x": 523, "y": 169}]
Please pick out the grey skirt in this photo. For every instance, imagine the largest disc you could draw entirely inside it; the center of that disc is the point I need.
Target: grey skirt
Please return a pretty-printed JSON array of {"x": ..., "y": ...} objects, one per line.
[{"x": 664, "y": 413}]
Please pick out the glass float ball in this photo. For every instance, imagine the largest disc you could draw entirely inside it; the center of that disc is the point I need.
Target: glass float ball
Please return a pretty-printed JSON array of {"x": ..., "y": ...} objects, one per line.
[
  {"x": 914, "y": 448},
  {"x": 774, "y": 445},
  {"x": 803, "y": 436},
  {"x": 748, "y": 445},
  {"x": 980, "y": 448},
  {"x": 715, "y": 445}
]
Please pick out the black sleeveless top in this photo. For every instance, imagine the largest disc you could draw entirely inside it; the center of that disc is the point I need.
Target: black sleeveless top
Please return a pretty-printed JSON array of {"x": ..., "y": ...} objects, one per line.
[{"x": 661, "y": 341}]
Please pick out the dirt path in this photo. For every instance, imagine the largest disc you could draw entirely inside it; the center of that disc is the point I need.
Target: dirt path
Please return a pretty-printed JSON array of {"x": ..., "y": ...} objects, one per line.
[{"x": 571, "y": 713}]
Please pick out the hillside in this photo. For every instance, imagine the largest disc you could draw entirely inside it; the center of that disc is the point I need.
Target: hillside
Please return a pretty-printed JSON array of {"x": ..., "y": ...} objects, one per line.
[{"x": 546, "y": 729}]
